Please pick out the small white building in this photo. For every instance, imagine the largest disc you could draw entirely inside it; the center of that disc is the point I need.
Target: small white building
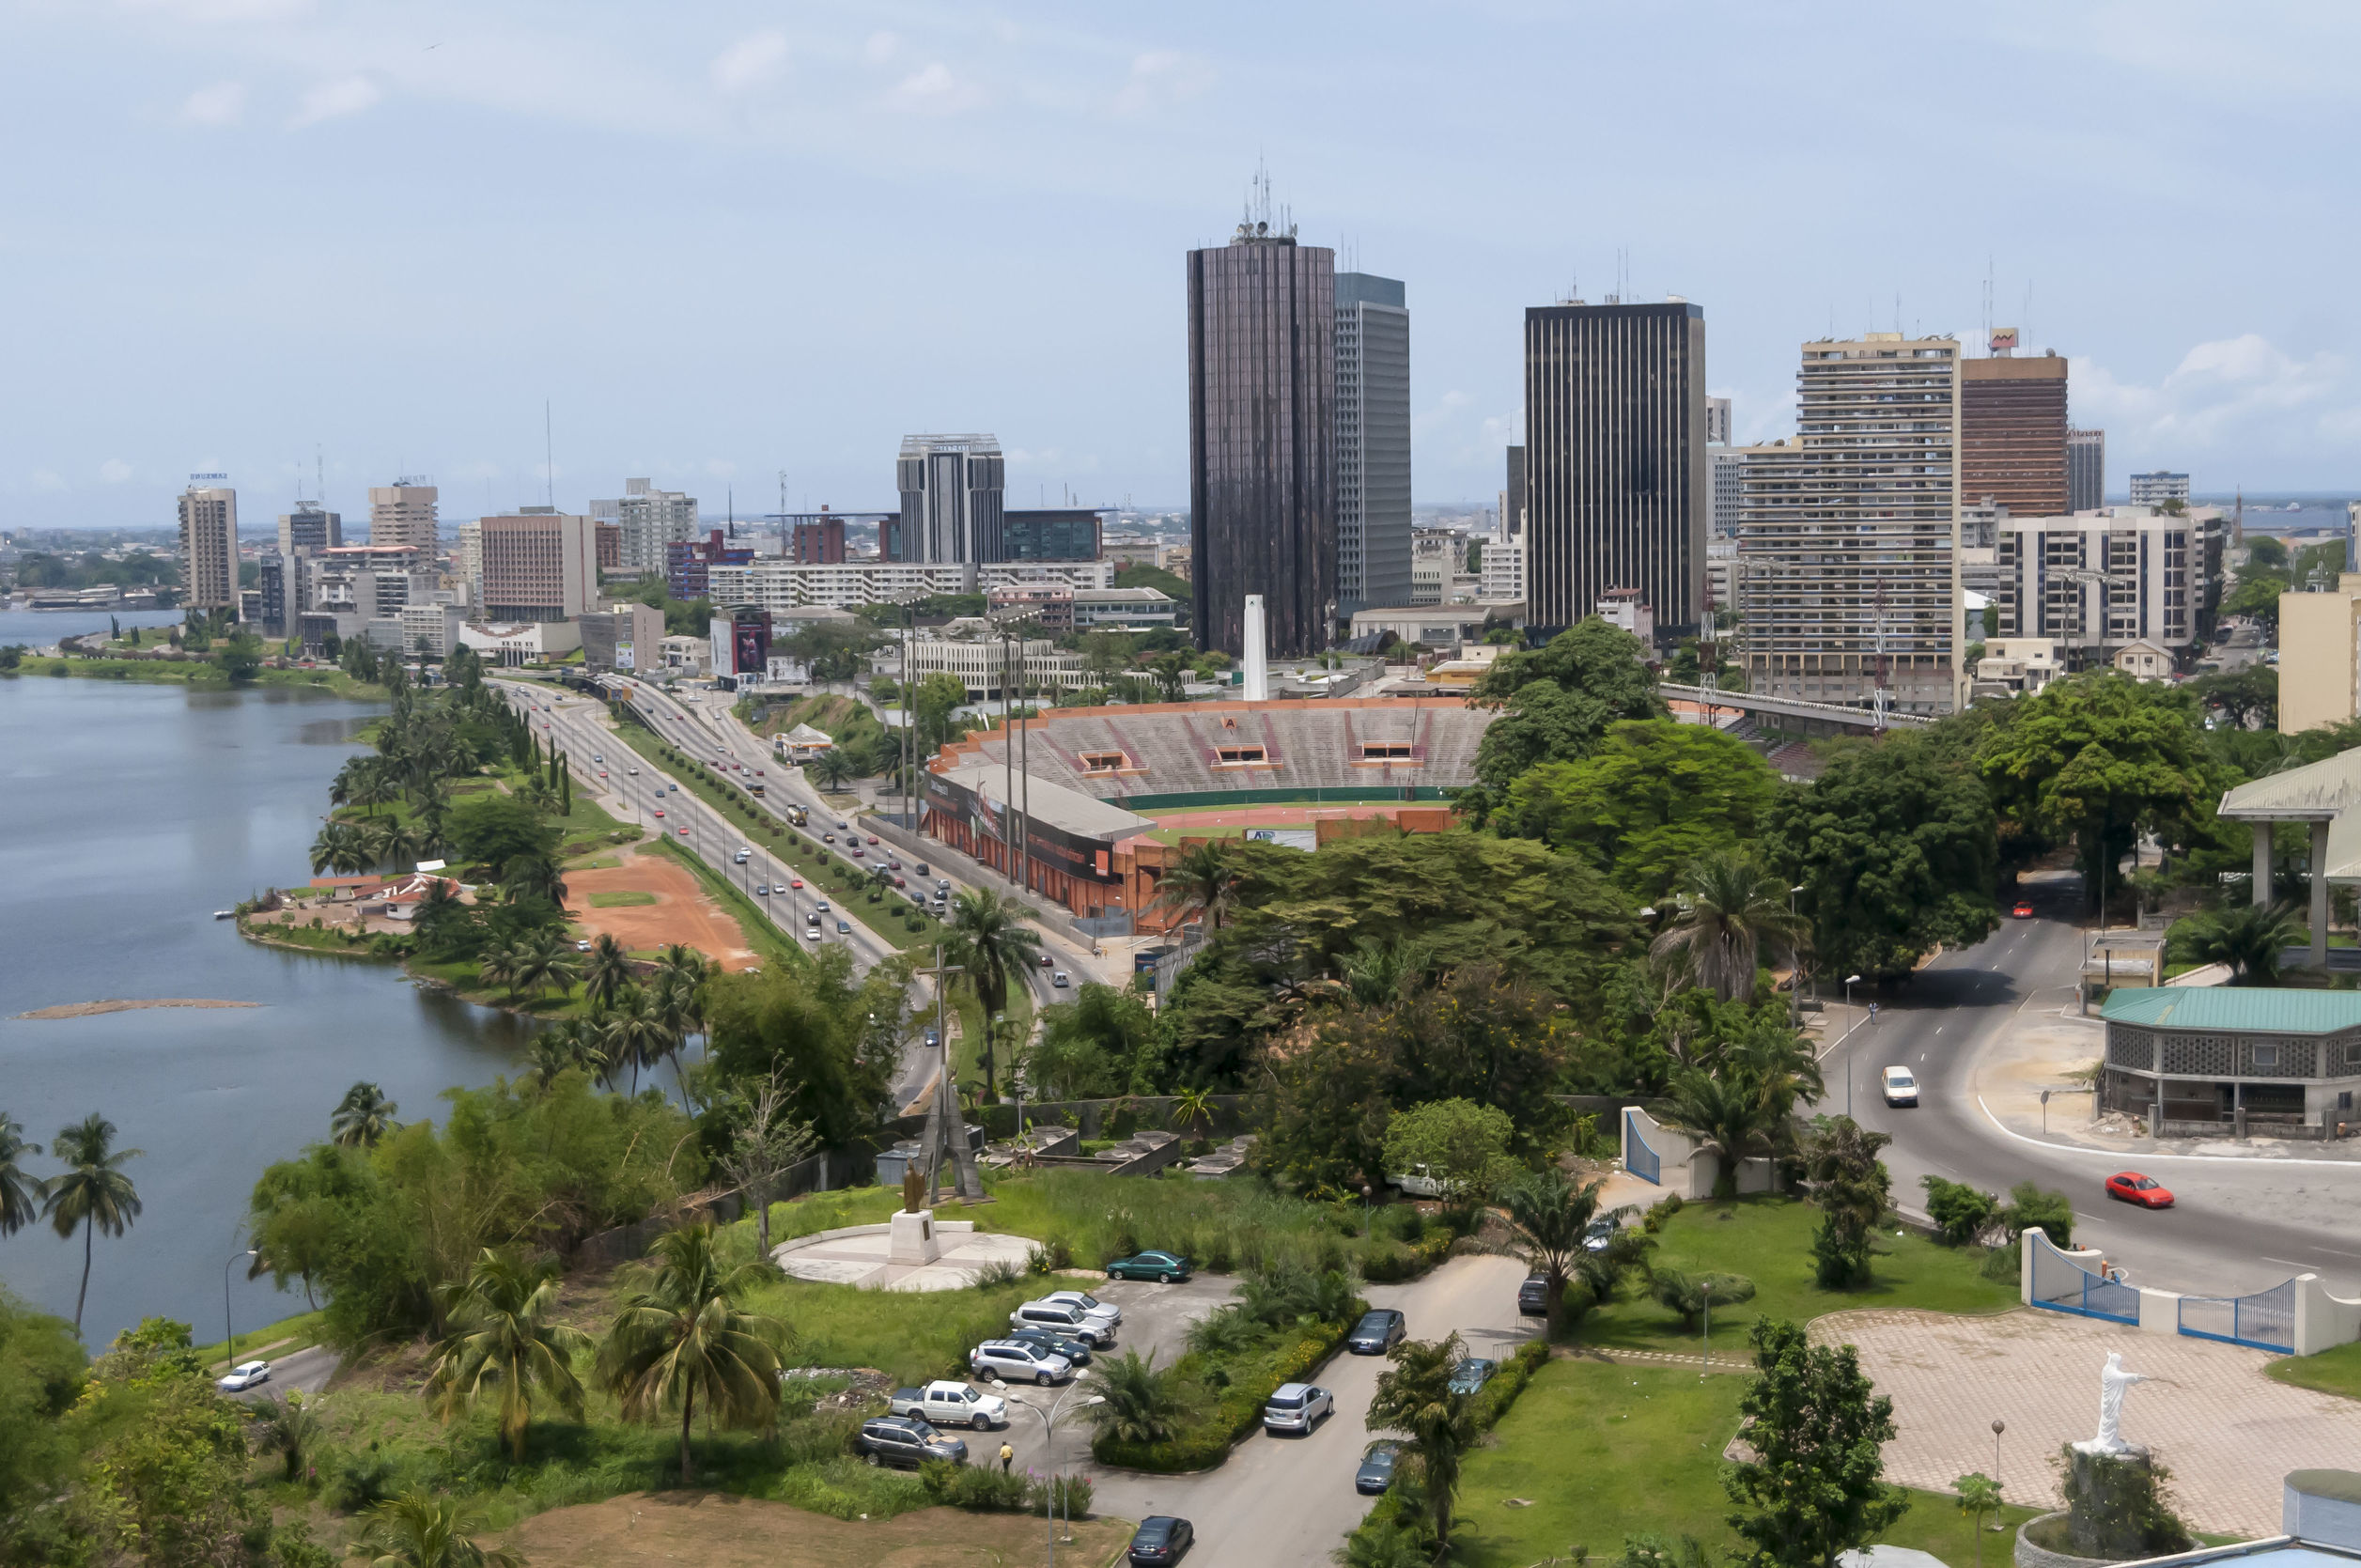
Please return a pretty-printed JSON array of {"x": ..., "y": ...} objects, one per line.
[
  {"x": 2144, "y": 660},
  {"x": 2017, "y": 666}
]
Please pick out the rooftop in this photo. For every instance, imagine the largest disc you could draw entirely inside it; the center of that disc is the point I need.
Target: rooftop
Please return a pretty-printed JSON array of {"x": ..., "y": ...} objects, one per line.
[
  {"x": 2237, "y": 1007},
  {"x": 1059, "y": 805}
]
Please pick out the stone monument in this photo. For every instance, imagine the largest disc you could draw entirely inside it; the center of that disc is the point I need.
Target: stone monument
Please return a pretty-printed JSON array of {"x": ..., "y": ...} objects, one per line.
[
  {"x": 2113, "y": 1510},
  {"x": 911, "y": 1234},
  {"x": 2114, "y": 1382}
]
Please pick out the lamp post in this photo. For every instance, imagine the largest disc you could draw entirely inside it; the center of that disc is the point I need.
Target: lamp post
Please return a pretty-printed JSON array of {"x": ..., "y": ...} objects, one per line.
[
  {"x": 230, "y": 1334},
  {"x": 1998, "y": 1428},
  {"x": 1707, "y": 1288},
  {"x": 1049, "y": 1437},
  {"x": 1849, "y": 1026},
  {"x": 1795, "y": 968}
]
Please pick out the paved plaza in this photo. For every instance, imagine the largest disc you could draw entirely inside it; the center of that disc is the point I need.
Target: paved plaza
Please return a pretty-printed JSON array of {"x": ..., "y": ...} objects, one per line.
[{"x": 857, "y": 1256}]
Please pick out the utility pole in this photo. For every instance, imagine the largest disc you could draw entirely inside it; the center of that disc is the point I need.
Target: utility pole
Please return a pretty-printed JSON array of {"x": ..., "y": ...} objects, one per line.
[
  {"x": 1008, "y": 760},
  {"x": 1024, "y": 774},
  {"x": 945, "y": 1130}
]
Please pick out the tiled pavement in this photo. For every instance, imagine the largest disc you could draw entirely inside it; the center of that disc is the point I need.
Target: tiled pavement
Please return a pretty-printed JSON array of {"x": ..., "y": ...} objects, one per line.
[
  {"x": 2228, "y": 1433},
  {"x": 861, "y": 1259}
]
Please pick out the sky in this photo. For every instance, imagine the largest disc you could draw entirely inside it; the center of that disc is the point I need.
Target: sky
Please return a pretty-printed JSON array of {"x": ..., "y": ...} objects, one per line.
[{"x": 725, "y": 242}]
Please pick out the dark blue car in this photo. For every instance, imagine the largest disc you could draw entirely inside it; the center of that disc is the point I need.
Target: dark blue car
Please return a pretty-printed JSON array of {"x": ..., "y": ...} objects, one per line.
[{"x": 1376, "y": 1472}]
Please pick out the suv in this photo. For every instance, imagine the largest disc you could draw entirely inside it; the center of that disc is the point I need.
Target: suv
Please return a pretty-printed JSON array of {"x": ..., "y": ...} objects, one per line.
[
  {"x": 1089, "y": 1303},
  {"x": 1296, "y": 1407},
  {"x": 1074, "y": 1350},
  {"x": 1378, "y": 1331},
  {"x": 1533, "y": 1296},
  {"x": 905, "y": 1442},
  {"x": 1060, "y": 1318},
  {"x": 1015, "y": 1362}
]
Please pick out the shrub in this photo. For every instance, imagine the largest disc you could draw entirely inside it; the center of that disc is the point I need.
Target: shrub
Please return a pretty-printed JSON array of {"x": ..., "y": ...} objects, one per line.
[
  {"x": 1493, "y": 1400},
  {"x": 1658, "y": 1213},
  {"x": 1690, "y": 1294},
  {"x": 1069, "y": 1494},
  {"x": 983, "y": 1489},
  {"x": 1961, "y": 1212},
  {"x": 2030, "y": 1205}
]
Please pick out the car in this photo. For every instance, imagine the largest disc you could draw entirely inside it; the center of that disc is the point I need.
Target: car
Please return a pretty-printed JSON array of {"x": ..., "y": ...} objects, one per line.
[
  {"x": 602, "y": 772},
  {"x": 1058, "y": 979},
  {"x": 899, "y": 883},
  {"x": 2023, "y": 910},
  {"x": 245, "y": 1375},
  {"x": 933, "y": 1039},
  {"x": 820, "y": 904},
  {"x": 1015, "y": 1362},
  {"x": 906, "y": 1442},
  {"x": 1900, "y": 1088},
  {"x": 921, "y": 868},
  {"x": 1471, "y": 1375},
  {"x": 1599, "y": 1234},
  {"x": 828, "y": 838},
  {"x": 684, "y": 832},
  {"x": 1047, "y": 961},
  {"x": 581, "y": 947},
  {"x": 2130, "y": 1186},
  {"x": 1164, "y": 1267},
  {"x": 840, "y": 823},
  {"x": 763, "y": 890},
  {"x": 1533, "y": 1296},
  {"x": 1376, "y": 1469},
  {"x": 1296, "y": 1407},
  {"x": 1379, "y": 1330},
  {"x": 1074, "y": 1350},
  {"x": 857, "y": 851},
  {"x": 795, "y": 881},
  {"x": 633, "y": 772},
  {"x": 873, "y": 838},
  {"x": 1160, "y": 1539},
  {"x": 811, "y": 933},
  {"x": 893, "y": 864},
  {"x": 844, "y": 928},
  {"x": 659, "y": 811},
  {"x": 595, "y": 756},
  {"x": 1088, "y": 1302},
  {"x": 1059, "y": 1317}
]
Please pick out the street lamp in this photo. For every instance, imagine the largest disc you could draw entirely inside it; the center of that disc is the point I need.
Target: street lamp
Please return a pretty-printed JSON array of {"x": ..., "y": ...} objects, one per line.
[
  {"x": 230, "y": 1334},
  {"x": 1048, "y": 1438},
  {"x": 1998, "y": 1428},
  {"x": 1850, "y": 981},
  {"x": 1795, "y": 966}
]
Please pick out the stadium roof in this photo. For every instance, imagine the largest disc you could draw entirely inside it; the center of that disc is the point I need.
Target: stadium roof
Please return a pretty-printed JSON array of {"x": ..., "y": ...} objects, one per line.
[
  {"x": 2237, "y": 1007},
  {"x": 1054, "y": 805}
]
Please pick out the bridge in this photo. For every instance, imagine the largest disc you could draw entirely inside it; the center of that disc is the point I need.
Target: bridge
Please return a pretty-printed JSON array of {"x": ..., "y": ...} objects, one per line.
[{"x": 1791, "y": 713}]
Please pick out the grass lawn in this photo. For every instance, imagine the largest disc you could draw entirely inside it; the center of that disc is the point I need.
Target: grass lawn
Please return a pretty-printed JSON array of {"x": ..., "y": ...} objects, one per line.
[
  {"x": 269, "y": 1342},
  {"x": 624, "y": 898},
  {"x": 1768, "y": 1239},
  {"x": 1220, "y": 1226},
  {"x": 740, "y": 1532},
  {"x": 2332, "y": 1371},
  {"x": 205, "y": 675}
]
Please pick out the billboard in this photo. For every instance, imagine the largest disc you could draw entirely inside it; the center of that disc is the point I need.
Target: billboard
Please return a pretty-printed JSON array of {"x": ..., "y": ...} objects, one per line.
[
  {"x": 623, "y": 655},
  {"x": 2002, "y": 337}
]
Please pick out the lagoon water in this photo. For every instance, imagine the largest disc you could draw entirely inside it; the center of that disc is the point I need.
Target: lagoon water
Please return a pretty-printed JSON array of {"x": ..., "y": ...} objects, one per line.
[{"x": 131, "y": 814}]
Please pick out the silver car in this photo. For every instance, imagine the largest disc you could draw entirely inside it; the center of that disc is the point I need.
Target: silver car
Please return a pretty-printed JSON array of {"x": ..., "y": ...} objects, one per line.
[
  {"x": 1296, "y": 1407},
  {"x": 1088, "y": 1302},
  {"x": 1013, "y": 1362},
  {"x": 1062, "y": 1318}
]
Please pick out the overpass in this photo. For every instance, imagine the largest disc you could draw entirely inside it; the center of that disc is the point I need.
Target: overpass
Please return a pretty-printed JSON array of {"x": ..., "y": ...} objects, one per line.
[{"x": 1791, "y": 713}]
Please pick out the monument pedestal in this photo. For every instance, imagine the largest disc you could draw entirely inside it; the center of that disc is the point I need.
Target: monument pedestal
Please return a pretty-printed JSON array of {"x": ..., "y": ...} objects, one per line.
[
  {"x": 912, "y": 1239},
  {"x": 2110, "y": 1493}
]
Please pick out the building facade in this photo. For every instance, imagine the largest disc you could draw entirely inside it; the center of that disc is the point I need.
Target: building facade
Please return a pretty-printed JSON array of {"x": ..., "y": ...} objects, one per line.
[
  {"x": 952, "y": 501},
  {"x": 538, "y": 564},
  {"x": 1727, "y": 471},
  {"x": 2100, "y": 580},
  {"x": 1850, "y": 539},
  {"x": 649, "y": 522},
  {"x": 1373, "y": 443},
  {"x": 2154, "y": 490},
  {"x": 208, "y": 548},
  {"x": 627, "y": 638},
  {"x": 404, "y": 514},
  {"x": 2224, "y": 1060},
  {"x": 1055, "y": 534},
  {"x": 689, "y": 563},
  {"x": 1717, "y": 421},
  {"x": 271, "y": 585},
  {"x": 2013, "y": 434},
  {"x": 2320, "y": 657},
  {"x": 1262, "y": 440},
  {"x": 310, "y": 526},
  {"x": 818, "y": 542},
  {"x": 780, "y": 585},
  {"x": 2086, "y": 470},
  {"x": 1132, "y": 609},
  {"x": 1616, "y": 485}
]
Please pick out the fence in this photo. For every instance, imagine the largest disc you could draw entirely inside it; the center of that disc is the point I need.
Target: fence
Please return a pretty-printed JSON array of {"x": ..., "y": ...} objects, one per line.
[
  {"x": 1639, "y": 1160},
  {"x": 2063, "y": 1285},
  {"x": 822, "y": 1173},
  {"x": 2265, "y": 1320}
]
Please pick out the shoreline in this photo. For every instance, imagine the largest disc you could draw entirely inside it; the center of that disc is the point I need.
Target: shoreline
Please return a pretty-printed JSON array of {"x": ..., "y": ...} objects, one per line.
[
  {"x": 196, "y": 675},
  {"x": 409, "y": 966},
  {"x": 121, "y": 1004}
]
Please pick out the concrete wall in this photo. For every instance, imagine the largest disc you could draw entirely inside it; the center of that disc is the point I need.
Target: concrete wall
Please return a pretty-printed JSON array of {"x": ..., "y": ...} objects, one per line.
[{"x": 2323, "y": 1320}]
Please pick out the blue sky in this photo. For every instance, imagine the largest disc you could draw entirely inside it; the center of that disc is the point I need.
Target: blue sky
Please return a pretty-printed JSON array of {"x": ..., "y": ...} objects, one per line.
[{"x": 725, "y": 240}]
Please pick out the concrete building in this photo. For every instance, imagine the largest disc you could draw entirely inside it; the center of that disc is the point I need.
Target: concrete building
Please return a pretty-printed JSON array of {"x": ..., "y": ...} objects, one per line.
[
  {"x": 2225, "y": 1061},
  {"x": 2017, "y": 666},
  {"x": 310, "y": 526},
  {"x": 2154, "y": 490},
  {"x": 1501, "y": 573},
  {"x": 780, "y": 585},
  {"x": 404, "y": 515},
  {"x": 271, "y": 593},
  {"x": 689, "y": 563},
  {"x": 2101, "y": 580},
  {"x": 1132, "y": 609},
  {"x": 985, "y": 663},
  {"x": 538, "y": 564},
  {"x": 818, "y": 542},
  {"x": 1616, "y": 487},
  {"x": 627, "y": 638},
  {"x": 952, "y": 501},
  {"x": 1053, "y": 534},
  {"x": 430, "y": 630},
  {"x": 2086, "y": 470},
  {"x": 1262, "y": 440},
  {"x": 2013, "y": 434},
  {"x": 1850, "y": 539},
  {"x": 209, "y": 547},
  {"x": 1726, "y": 468},
  {"x": 2320, "y": 657},
  {"x": 646, "y": 520},
  {"x": 1441, "y": 626},
  {"x": 610, "y": 541},
  {"x": 523, "y": 642},
  {"x": 1373, "y": 442},
  {"x": 1717, "y": 421}
]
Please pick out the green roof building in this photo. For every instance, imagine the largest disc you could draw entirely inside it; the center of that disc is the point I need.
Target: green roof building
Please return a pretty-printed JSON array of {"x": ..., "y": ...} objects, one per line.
[{"x": 2199, "y": 1060}]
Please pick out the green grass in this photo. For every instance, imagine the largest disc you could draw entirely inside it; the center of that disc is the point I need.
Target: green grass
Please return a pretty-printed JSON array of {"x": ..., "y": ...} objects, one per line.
[
  {"x": 626, "y": 898},
  {"x": 1768, "y": 1239},
  {"x": 206, "y": 676},
  {"x": 304, "y": 1329},
  {"x": 330, "y": 941},
  {"x": 2335, "y": 1371},
  {"x": 1220, "y": 1226}
]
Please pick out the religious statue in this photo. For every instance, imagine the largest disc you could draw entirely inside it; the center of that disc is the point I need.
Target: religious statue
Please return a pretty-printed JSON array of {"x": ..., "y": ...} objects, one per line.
[
  {"x": 2113, "y": 1381},
  {"x": 914, "y": 1192}
]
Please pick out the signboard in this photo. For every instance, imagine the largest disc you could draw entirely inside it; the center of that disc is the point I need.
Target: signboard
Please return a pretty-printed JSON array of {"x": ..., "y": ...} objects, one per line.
[
  {"x": 2002, "y": 337},
  {"x": 1078, "y": 855},
  {"x": 625, "y": 655},
  {"x": 207, "y": 478}
]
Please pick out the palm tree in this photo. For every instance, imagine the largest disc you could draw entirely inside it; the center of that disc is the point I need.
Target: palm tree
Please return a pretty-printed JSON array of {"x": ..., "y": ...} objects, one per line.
[
  {"x": 831, "y": 768},
  {"x": 1549, "y": 1215},
  {"x": 1728, "y": 1118},
  {"x": 339, "y": 849},
  {"x": 543, "y": 962},
  {"x": 635, "y": 1033},
  {"x": 1731, "y": 910},
  {"x": 501, "y": 1337},
  {"x": 20, "y": 1192},
  {"x": 390, "y": 843},
  {"x": 680, "y": 1336},
  {"x": 2248, "y": 937},
  {"x": 1139, "y": 1402},
  {"x": 418, "y": 1529},
  {"x": 1416, "y": 1399},
  {"x": 988, "y": 939},
  {"x": 1191, "y": 1107},
  {"x": 93, "y": 1193},
  {"x": 284, "y": 1427},
  {"x": 1203, "y": 878},
  {"x": 533, "y": 875},
  {"x": 499, "y": 966},
  {"x": 362, "y": 1117},
  {"x": 680, "y": 1013},
  {"x": 607, "y": 970}
]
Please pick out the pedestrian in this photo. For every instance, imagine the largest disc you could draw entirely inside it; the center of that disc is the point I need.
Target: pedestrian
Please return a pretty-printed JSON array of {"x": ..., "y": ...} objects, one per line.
[{"x": 1008, "y": 1457}]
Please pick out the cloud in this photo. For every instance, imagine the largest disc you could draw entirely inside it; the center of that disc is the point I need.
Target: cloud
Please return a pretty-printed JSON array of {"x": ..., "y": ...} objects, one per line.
[
  {"x": 347, "y": 95},
  {"x": 751, "y": 62},
  {"x": 48, "y": 479},
  {"x": 115, "y": 470},
  {"x": 222, "y": 103},
  {"x": 880, "y": 47},
  {"x": 1162, "y": 78},
  {"x": 934, "y": 92},
  {"x": 2241, "y": 391}
]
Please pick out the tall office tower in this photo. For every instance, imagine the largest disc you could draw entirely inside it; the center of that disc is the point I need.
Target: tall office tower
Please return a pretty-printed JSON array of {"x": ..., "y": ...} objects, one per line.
[
  {"x": 1057, "y": 534},
  {"x": 538, "y": 564},
  {"x": 951, "y": 501},
  {"x": 1262, "y": 440},
  {"x": 270, "y": 583},
  {"x": 2013, "y": 434},
  {"x": 404, "y": 514},
  {"x": 1850, "y": 542},
  {"x": 1717, "y": 421},
  {"x": 1372, "y": 443},
  {"x": 2086, "y": 470},
  {"x": 651, "y": 519},
  {"x": 2154, "y": 490},
  {"x": 208, "y": 546},
  {"x": 1615, "y": 475},
  {"x": 309, "y": 527},
  {"x": 1513, "y": 498}
]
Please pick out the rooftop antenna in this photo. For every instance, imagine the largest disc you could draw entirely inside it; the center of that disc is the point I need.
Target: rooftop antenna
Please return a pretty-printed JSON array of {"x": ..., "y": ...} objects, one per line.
[
  {"x": 549, "y": 457},
  {"x": 729, "y": 506},
  {"x": 1987, "y": 304},
  {"x": 320, "y": 469}
]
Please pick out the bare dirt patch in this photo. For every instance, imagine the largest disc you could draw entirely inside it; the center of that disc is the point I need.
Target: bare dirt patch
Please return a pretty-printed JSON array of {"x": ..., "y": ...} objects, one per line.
[
  {"x": 682, "y": 911},
  {"x": 718, "y": 1531},
  {"x": 117, "y": 1005}
]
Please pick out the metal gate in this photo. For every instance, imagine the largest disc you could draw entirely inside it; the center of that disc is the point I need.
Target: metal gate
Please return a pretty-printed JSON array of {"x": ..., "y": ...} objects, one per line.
[
  {"x": 2265, "y": 1320},
  {"x": 1639, "y": 1160},
  {"x": 2064, "y": 1285}
]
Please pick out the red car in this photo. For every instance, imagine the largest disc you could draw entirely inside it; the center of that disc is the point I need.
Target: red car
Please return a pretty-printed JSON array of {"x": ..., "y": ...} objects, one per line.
[
  {"x": 795, "y": 882},
  {"x": 873, "y": 838},
  {"x": 659, "y": 811},
  {"x": 684, "y": 832},
  {"x": 2130, "y": 1186},
  {"x": 2023, "y": 911}
]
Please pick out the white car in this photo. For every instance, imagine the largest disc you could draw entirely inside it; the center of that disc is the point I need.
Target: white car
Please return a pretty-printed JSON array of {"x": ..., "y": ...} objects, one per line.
[
  {"x": 1015, "y": 1362},
  {"x": 1296, "y": 1407},
  {"x": 1900, "y": 1088},
  {"x": 1088, "y": 1302},
  {"x": 247, "y": 1374},
  {"x": 1065, "y": 1317}
]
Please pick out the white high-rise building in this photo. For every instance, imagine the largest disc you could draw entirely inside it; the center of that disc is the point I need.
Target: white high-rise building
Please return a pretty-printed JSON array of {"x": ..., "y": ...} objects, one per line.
[
  {"x": 1372, "y": 443},
  {"x": 208, "y": 544},
  {"x": 403, "y": 515},
  {"x": 1717, "y": 421},
  {"x": 2154, "y": 490},
  {"x": 649, "y": 519}
]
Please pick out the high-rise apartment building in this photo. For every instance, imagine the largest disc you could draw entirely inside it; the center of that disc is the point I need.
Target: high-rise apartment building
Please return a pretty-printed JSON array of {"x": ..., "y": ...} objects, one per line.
[
  {"x": 1373, "y": 443},
  {"x": 1850, "y": 543},
  {"x": 403, "y": 514},
  {"x": 2086, "y": 470},
  {"x": 1616, "y": 487},
  {"x": 1056, "y": 533},
  {"x": 2097, "y": 580},
  {"x": 271, "y": 585},
  {"x": 1726, "y": 468},
  {"x": 310, "y": 526},
  {"x": 2154, "y": 490},
  {"x": 2013, "y": 434},
  {"x": 952, "y": 498},
  {"x": 1717, "y": 421},
  {"x": 1262, "y": 440},
  {"x": 647, "y": 521},
  {"x": 1513, "y": 498},
  {"x": 538, "y": 564},
  {"x": 208, "y": 544}
]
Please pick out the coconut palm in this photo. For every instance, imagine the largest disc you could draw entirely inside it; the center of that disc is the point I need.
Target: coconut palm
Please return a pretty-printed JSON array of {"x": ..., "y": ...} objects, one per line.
[
  {"x": 1416, "y": 1399},
  {"x": 418, "y": 1529},
  {"x": 679, "y": 1012},
  {"x": 2248, "y": 938},
  {"x": 635, "y": 1034},
  {"x": 1731, "y": 910},
  {"x": 339, "y": 851},
  {"x": 93, "y": 1193},
  {"x": 1726, "y": 1116},
  {"x": 499, "y": 966},
  {"x": 501, "y": 1338},
  {"x": 1191, "y": 1108},
  {"x": 284, "y": 1427},
  {"x": 1549, "y": 1215},
  {"x": 20, "y": 1192},
  {"x": 543, "y": 962},
  {"x": 1138, "y": 1404},
  {"x": 607, "y": 970},
  {"x": 990, "y": 942},
  {"x": 831, "y": 767},
  {"x": 391, "y": 842},
  {"x": 1203, "y": 878},
  {"x": 681, "y": 1337},
  {"x": 533, "y": 875},
  {"x": 362, "y": 1117}
]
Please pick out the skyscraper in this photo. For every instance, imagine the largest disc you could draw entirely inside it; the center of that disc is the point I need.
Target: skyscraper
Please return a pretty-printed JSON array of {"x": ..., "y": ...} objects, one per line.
[
  {"x": 2013, "y": 434},
  {"x": 1850, "y": 545},
  {"x": 1372, "y": 443},
  {"x": 310, "y": 526},
  {"x": 1616, "y": 489},
  {"x": 1717, "y": 421},
  {"x": 648, "y": 519},
  {"x": 208, "y": 544},
  {"x": 538, "y": 564},
  {"x": 1261, "y": 439},
  {"x": 952, "y": 489},
  {"x": 403, "y": 514},
  {"x": 2086, "y": 470}
]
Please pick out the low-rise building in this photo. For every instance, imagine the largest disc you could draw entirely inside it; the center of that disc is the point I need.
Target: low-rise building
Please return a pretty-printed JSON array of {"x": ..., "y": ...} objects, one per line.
[
  {"x": 521, "y": 642},
  {"x": 1133, "y": 608},
  {"x": 2320, "y": 657},
  {"x": 627, "y": 638},
  {"x": 687, "y": 655},
  {"x": 2098, "y": 580},
  {"x": 779, "y": 585},
  {"x": 1435, "y": 626},
  {"x": 2017, "y": 666},
  {"x": 2233, "y": 1058},
  {"x": 986, "y": 662},
  {"x": 2145, "y": 660}
]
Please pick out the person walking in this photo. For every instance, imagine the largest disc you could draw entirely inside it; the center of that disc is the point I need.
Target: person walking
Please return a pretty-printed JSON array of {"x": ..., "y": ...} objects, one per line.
[{"x": 1008, "y": 1457}]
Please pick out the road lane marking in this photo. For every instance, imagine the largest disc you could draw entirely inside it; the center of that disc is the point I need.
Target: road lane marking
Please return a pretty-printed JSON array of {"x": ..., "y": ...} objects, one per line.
[{"x": 2200, "y": 1159}]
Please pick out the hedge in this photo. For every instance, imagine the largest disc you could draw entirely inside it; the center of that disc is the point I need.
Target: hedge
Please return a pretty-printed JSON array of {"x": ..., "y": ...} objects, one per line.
[
  {"x": 1237, "y": 1412},
  {"x": 1490, "y": 1403},
  {"x": 1390, "y": 1262}
]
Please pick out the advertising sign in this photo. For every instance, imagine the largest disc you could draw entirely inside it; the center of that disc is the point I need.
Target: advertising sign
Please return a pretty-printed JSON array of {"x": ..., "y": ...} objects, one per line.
[
  {"x": 2003, "y": 337},
  {"x": 624, "y": 653}
]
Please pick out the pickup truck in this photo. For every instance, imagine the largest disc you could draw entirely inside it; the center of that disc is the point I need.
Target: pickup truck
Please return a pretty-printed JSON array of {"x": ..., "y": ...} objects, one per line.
[{"x": 948, "y": 1404}]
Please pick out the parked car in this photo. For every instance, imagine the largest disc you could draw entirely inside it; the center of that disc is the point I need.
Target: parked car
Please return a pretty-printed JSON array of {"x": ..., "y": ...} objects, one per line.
[
  {"x": 947, "y": 1402},
  {"x": 2130, "y": 1186},
  {"x": 1164, "y": 1267},
  {"x": 1088, "y": 1302},
  {"x": 1160, "y": 1539},
  {"x": 245, "y": 1375},
  {"x": 1533, "y": 1296},
  {"x": 1296, "y": 1407},
  {"x": 1599, "y": 1236},
  {"x": 905, "y": 1443},
  {"x": 1060, "y": 1318},
  {"x": 1471, "y": 1375},
  {"x": 1900, "y": 1088},
  {"x": 1015, "y": 1362},
  {"x": 1376, "y": 1469},
  {"x": 1379, "y": 1330},
  {"x": 1075, "y": 1350}
]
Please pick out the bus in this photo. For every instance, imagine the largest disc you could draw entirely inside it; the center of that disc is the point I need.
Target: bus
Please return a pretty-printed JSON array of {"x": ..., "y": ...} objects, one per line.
[{"x": 798, "y": 817}]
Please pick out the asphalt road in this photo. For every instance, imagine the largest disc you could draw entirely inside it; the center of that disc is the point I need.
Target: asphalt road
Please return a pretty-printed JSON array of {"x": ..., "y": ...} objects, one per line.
[{"x": 305, "y": 1371}]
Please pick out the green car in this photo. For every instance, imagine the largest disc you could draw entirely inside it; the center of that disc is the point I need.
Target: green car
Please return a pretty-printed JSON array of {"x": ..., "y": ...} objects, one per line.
[{"x": 1164, "y": 1267}]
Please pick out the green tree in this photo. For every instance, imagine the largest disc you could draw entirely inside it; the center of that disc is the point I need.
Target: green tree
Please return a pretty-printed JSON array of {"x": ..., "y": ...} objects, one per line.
[
  {"x": 1693, "y": 1294},
  {"x": 93, "y": 1193},
  {"x": 1550, "y": 1218},
  {"x": 241, "y": 658},
  {"x": 1459, "y": 1145},
  {"x": 19, "y": 1191},
  {"x": 2248, "y": 937},
  {"x": 990, "y": 942},
  {"x": 1961, "y": 1212},
  {"x": 340, "y": 849},
  {"x": 1979, "y": 1495},
  {"x": 392, "y": 842},
  {"x": 1199, "y": 881},
  {"x": 492, "y": 828},
  {"x": 1727, "y": 1119},
  {"x": 419, "y": 1530},
  {"x": 2031, "y": 1205},
  {"x": 766, "y": 1142},
  {"x": 1415, "y": 1398},
  {"x": 2245, "y": 699},
  {"x": 286, "y": 1427},
  {"x": 2256, "y": 597},
  {"x": 831, "y": 768},
  {"x": 606, "y": 972},
  {"x": 1139, "y": 1403},
  {"x": 1850, "y": 1187},
  {"x": 544, "y": 962},
  {"x": 1729, "y": 910},
  {"x": 1814, "y": 1490},
  {"x": 1098, "y": 1045},
  {"x": 933, "y": 700},
  {"x": 362, "y": 1116},
  {"x": 1652, "y": 798},
  {"x": 502, "y": 1339},
  {"x": 682, "y": 1335},
  {"x": 1558, "y": 698}
]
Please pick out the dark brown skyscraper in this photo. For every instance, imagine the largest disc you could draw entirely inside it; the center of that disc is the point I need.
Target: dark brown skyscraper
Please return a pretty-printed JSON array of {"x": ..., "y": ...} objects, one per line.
[
  {"x": 1262, "y": 430},
  {"x": 1615, "y": 478},
  {"x": 2013, "y": 434}
]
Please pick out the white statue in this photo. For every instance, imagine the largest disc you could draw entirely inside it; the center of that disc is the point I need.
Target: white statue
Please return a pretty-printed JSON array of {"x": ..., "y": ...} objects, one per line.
[{"x": 2113, "y": 1381}]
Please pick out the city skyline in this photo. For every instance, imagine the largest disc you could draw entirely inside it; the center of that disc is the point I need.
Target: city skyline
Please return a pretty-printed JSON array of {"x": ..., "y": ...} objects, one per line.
[{"x": 303, "y": 132}]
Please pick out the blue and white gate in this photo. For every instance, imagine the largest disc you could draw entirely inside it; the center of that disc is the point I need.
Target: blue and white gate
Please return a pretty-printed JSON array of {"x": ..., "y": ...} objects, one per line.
[
  {"x": 2265, "y": 1320},
  {"x": 2063, "y": 1285},
  {"x": 1639, "y": 1160}
]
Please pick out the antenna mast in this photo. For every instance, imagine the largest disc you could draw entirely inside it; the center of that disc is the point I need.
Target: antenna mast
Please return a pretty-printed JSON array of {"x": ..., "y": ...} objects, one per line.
[{"x": 549, "y": 457}]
